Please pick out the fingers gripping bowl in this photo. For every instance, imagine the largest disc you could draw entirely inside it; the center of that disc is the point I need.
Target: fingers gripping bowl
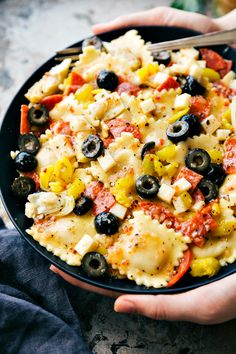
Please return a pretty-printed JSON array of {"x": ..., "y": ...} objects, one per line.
[{"x": 135, "y": 166}]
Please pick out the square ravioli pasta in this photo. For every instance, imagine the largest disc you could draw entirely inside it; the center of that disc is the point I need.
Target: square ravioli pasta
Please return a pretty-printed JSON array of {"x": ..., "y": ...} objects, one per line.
[{"x": 127, "y": 161}]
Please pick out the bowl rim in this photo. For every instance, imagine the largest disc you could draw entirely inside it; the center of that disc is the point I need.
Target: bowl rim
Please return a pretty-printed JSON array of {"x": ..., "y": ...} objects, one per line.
[{"x": 56, "y": 261}]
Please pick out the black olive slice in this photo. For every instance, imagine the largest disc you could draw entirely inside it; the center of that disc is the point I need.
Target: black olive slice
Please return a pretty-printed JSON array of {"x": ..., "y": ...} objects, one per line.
[
  {"x": 147, "y": 147},
  {"x": 94, "y": 264},
  {"x": 107, "y": 80},
  {"x": 29, "y": 143},
  {"x": 92, "y": 147},
  {"x": 23, "y": 186},
  {"x": 25, "y": 162},
  {"x": 95, "y": 41},
  {"x": 192, "y": 87},
  {"x": 83, "y": 205},
  {"x": 162, "y": 57},
  {"x": 198, "y": 160},
  {"x": 38, "y": 115},
  {"x": 178, "y": 131},
  {"x": 194, "y": 124},
  {"x": 208, "y": 189},
  {"x": 147, "y": 186},
  {"x": 106, "y": 223},
  {"x": 216, "y": 174}
]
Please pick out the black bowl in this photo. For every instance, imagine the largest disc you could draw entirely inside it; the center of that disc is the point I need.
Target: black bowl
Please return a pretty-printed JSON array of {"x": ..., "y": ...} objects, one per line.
[{"x": 8, "y": 141}]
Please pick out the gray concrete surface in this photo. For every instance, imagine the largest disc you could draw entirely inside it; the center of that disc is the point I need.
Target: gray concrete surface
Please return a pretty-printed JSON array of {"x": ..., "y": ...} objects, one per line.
[{"x": 30, "y": 32}]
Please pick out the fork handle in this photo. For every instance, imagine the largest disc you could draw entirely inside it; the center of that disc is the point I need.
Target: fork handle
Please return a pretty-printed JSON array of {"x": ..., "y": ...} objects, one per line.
[{"x": 214, "y": 38}]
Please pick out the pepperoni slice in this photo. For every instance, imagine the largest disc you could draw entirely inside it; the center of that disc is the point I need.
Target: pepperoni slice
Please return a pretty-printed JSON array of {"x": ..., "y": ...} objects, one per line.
[
  {"x": 222, "y": 90},
  {"x": 198, "y": 226},
  {"x": 200, "y": 107},
  {"x": 128, "y": 88},
  {"x": 197, "y": 196},
  {"x": 213, "y": 60},
  {"x": 227, "y": 68},
  {"x": 191, "y": 176},
  {"x": 92, "y": 189},
  {"x": 229, "y": 160},
  {"x": 103, "y": 202},
  {"x": 159, "y": 212},
  {"x": 118, "y": 126}
]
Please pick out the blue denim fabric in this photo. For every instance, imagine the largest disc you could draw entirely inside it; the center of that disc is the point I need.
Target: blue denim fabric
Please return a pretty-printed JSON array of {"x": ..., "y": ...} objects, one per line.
[{"x": 36, "y": 315}]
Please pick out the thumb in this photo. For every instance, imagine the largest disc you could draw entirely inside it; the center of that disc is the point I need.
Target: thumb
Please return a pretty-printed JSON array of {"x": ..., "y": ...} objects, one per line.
[
  {"x": 134, "y": 19},
  {"x": 159, "y": 307}
]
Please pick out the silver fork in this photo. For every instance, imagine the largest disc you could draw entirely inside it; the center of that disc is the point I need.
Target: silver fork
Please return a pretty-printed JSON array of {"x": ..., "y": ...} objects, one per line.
[{"x": 202, "y": 40}]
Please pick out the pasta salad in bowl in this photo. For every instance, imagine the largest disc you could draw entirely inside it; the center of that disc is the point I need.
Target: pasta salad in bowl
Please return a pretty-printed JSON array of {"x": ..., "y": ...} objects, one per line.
[{"x": 126, "y": 163}]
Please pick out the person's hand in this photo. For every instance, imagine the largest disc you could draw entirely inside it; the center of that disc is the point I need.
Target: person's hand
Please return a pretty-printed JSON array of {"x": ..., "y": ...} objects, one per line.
[
  {"x": 209, "y": 304},
  {"x": 167, "y": 16}
]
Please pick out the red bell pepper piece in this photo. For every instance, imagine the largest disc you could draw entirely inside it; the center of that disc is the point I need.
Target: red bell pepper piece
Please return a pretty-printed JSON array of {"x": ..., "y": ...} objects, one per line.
[
  {"x": 50, "y": 101},
  {"x": 168, "y": 84},
  {"x": 24, "y": 122},
  {"x": 182, "y": 269}
]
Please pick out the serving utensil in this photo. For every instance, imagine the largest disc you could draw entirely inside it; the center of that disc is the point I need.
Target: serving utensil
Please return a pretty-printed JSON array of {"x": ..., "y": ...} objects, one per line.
[{"x": 202, "y": 40}]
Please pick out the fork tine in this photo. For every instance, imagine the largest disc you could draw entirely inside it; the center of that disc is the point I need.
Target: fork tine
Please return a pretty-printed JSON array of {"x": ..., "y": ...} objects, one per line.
[
  {"x": 72, "y": 57},
  {"x": 73, "y": 50}
]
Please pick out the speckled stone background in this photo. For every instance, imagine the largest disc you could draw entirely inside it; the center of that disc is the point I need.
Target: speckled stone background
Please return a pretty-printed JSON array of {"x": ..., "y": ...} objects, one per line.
[{"x": 30, "y": 32}]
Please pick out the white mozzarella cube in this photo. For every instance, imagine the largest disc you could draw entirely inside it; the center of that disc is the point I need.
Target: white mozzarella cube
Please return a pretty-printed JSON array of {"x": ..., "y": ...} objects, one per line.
[
  {"x": 232, "y": 84},
  {"x": 210, "y": 124},
  {"x": 196, "y": 71},
  {"x": 166, "y": 193},
  {"x": 179, "y": 69},
  {"x": 232, "y": 198},
  {"x": 106, "y": 162},
  {"x": 166, "y": 180},
  {"x": 61, "y": 146},
  {"x": 160, "y": 77},
  {"x": 190, "y": 53},
  {"x": 182, "y": 101},
  {"x": 198, "y": 205},
  {"x": 201, "y": 63},
  {"x": 181, "y": 185},
  {"x": 222, "y": 134},
  {"x": 179, "y": 205},
  {"x": 228, "y": 78},
  {"x": 85, "y": 245},
  {"x": 233, "y": 113},
  {"x": 147, "y": 105},
  {"x": 118, "y": 210}
]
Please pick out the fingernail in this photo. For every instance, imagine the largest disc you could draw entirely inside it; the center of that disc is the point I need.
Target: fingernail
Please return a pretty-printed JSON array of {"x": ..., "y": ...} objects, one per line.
[{"x": 124, "y": 306}]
